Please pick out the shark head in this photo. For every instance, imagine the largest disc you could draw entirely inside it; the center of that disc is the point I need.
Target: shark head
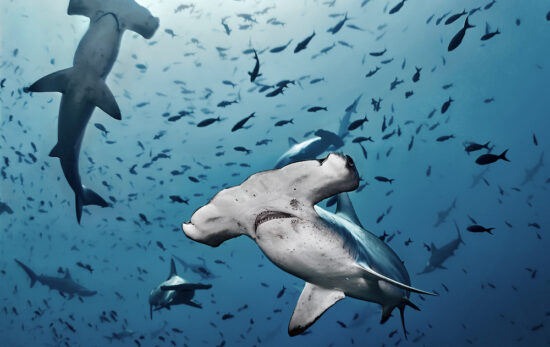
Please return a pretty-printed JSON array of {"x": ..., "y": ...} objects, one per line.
[
  {"x": 289, "y": 191},
  {"x": 128, "y": 13}
]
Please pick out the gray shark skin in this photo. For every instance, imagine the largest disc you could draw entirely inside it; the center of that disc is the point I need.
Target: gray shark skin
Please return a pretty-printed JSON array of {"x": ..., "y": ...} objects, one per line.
[
  {"x": 530, "y": 173},
  {"x": 309, "y": 149},
  {"x": 440, "y": 255},
  {"x": 345, "y": 121},
  {"x": 64, "y": 285},
  {"x": 443, "y": 214},
  {"x": 83, "y": 85},
  {"x": 332, "y": 252},
  {"x": 174, "y": 291}
]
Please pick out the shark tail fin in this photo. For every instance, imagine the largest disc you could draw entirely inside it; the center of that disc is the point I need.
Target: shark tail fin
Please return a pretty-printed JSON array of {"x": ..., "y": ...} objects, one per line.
[
  {"x": 103, "y": 98},
  {"x": 56, "y": 151},
  {"x": 54, "y": 82},
  {"x": 29, "y": 272},
  {"x": 88, "y": 197}
]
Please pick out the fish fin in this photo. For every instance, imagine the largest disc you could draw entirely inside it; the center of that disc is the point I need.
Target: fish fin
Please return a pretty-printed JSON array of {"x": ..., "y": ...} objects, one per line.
[
  {"x": 442, "y": 267},
  {"x": 386, "y": 313},
  {"x": 503, "y": 155},
  {"x": 186, "y": 286},
  {"x": 29, "y": 272},
  {"x": 172, "y": 269},
  {"x": 104, "y": 99},
  {"x": 56, "y": 151},
  {"x": 432, "y": 246},
  {"x": 292, "y": 141},
  {"x": 344, "y": 208},
  {"x": 88, "y": 197},
  {"x": 313, "y": 302},
  {"x": 371, "y": 274},
  {"x": 192, "y": 303},
  {"x": 54, "y": 82}
]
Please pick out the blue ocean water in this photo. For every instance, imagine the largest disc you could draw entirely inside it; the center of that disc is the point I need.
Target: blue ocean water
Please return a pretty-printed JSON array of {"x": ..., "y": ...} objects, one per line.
[{"x": 494, "y": 290}]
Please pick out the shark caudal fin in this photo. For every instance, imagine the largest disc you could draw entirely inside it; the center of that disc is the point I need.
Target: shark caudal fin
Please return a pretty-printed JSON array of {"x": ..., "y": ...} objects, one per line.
[
  {"x": 88, "y": 197},
  {"x": 54, "y": 82},
  {"x": 313, "y": 302},
  {"x": 29, "y": 272},
  {"x": 387, "y": 310}
]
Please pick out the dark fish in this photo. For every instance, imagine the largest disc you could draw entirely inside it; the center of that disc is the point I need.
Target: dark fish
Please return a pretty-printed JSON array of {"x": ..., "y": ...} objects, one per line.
[
  {"x": 411, "y": 143},
  {"x": 161, "y": 246},
  {"x": 446, "y": 105},
  {"x": 472, "y": 147},
  {"x": 178, "y": 199},
  {"x": 384, "y": 179},
  {"x": 280, "y": 48},
  {"x": 316, "y": 109},
  {"x": 416, "y": 76},
  {"x": 362, "y": 139},
  {"x": 379, "y": 53},
  {"x": 342, "y": 324},
  {"x": 207, "y": 122},
  {"x": 454, "y": 17},
  {"x": 445, "y": 138},
  {"x": 242, "y": 149},
  {"x": 101, "y": 127},
  {"x": 457, "y": 39},
  {"x": 476, "y": 228},
  {"x": 303, "y": 45},
  {"x": 489, "y": 35},
  {"x": 364, "y": 151},
  {"x": 240, "y": 124},
  {"x": 535, "y": 140},
  {"x": 397, "y": 7},
  {"x": 489, "y": 5},
  {"x": 226, "y": 103},
  {"x": 227, "y": 316},
  {"x": 193, "y": 179},
  {"x": 281, "y": 292},
  {"x": 144, "y": 219},
  {"x": 491, "y": 158},
  {"x": 357, "y": 123},
  {"x": 256, "y": 71},
  {"x": 338, "y": 26},
  {"x": 372, "y": 72},
  {"x": 284, "y": 122}
]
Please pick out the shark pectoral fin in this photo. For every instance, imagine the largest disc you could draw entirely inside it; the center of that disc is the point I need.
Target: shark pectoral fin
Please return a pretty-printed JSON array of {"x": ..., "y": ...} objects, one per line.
[
  {"x": 104, "y": 99},
  {"x": 187, "y": 286},
  {"x": 344, "y": 208},
  {"x": 313, "y": 302},
  {"x": 193, "y": 304},
  {"x": 54, "y": 82},
  {"x": 373, "y": 275}
]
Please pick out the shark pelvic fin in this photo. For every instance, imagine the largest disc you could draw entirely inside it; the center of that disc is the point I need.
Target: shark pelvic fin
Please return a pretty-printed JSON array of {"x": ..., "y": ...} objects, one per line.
[
  {"x": 313, "y": 302},
  {"x": 373, "y": 275},
  {"x": 54, "y": 82},
  {"x": 344, "y": 208},
  {"x": 104, "y": 99},
  {"x": 56, "y": 151},
  {"x": 88, "y": 197}
]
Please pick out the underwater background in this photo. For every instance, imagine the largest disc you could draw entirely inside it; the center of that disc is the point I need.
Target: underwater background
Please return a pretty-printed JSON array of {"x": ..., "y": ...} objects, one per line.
[{"x": 494, "y": 291}]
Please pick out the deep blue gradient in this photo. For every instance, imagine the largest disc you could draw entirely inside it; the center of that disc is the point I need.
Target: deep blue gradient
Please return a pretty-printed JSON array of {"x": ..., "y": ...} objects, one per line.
[{"x": 38, "y": 37}]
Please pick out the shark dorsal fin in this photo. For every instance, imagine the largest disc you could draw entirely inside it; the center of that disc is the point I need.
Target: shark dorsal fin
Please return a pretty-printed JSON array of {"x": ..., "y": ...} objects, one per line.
[
  {"x": 172, "y": 269},
  {"x": 67, "y": 274},
  {"x": 432, "y": 246},
  {"x": 313, "y": 302},
  {"x": 345, "y": 209}
]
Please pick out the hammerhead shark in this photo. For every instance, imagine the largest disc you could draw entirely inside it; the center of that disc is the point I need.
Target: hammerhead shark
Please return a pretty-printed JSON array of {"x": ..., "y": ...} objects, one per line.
[
  {"x": 331, "y": 252},
  {"x": 440, "y": 255},
  {"x": 64, "y": 285},
  {"x": 83, "y": 85},
  {"x": 530, "y": 173},
  {"x": 310, "y": 148},
  {"x": 443, "y": 214},
  {"x": 174, "y": 291}
]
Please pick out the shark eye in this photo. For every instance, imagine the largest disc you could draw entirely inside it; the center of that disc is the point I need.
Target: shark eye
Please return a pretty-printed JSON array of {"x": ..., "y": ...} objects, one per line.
[{"x": 349, "y": 161}]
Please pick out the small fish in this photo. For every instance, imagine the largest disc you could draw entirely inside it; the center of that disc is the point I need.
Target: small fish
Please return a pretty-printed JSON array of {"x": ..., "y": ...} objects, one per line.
[
  {"x": 457, "y": 39},
  {"x": 472, "y": 147},
  {"x": 384, "y": 179},
  {"x": 379, "y": 53},
  {"x": 284, "y": 122},
  {"x": 372, "y": 72},
  {"x": 255, "y": 73},
  {"x": 491, "y": 158},
  {"x": 208, "y": 122},
  {"x": 357, "y": 123},
  {"x": 317, "y": 108},
  {"x": 242, "y": 149},
  {"x": 281, "y": 292},
  {"x": 445, "y": 138},
  {"x": 101, "y": 127},
  {"x": 227, "y": 316},
  {"x": 476, "y": 228},
  {"x": 303, "y": 44},
  {"x": 362, "y": 139},
  {"x": 397, "y": 7},
  {"x": 338, "y": 26},
  {"x": 446, "y": 105},
  {"x": 535, "y": 140},
  {"x": 416, "y": 76},
  {"x": 454, "y": 17},
  {"x": 240, "y": 124}
]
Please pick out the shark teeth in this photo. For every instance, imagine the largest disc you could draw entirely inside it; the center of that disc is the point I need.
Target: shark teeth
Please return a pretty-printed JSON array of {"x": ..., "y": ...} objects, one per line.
[{"x": 270, "y": 215}]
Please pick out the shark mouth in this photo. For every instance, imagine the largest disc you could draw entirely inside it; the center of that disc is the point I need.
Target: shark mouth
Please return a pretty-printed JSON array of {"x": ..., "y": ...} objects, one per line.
[{"x": 270, "y": 215}]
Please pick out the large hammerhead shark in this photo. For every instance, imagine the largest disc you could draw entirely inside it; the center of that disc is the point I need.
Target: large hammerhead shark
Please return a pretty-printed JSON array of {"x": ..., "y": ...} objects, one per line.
[{"x": 83, "y": 85}]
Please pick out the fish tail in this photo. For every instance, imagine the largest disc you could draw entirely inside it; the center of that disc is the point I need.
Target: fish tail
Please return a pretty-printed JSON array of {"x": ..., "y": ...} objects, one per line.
[
  {"x": 467, "y": 24},
  {"x": 88, "y": 197},
  {"x": 29, "y": 272},
  {"x": 503, "y": 156}
]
